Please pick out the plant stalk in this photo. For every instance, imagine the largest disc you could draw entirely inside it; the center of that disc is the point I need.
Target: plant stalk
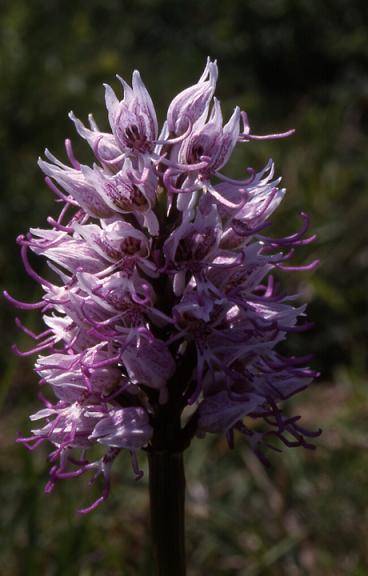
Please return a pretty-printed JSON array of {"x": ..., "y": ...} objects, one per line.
[{"x": 167, "y": 499}]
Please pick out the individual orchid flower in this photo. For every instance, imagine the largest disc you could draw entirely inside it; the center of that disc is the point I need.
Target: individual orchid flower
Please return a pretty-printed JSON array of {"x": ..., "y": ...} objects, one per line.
[
  {"x": 193, "y": 102},
  {"x": 209, "y": 145},
  {"x": 127, "y": 192},
  {"x": 187, "y": 249},
  {"x": 103, "y": 144},
  {"x": 75, "y": 184},
  {"x": 124, "y": 428},
  {"x": 210, "y": 141},
  {"x": 149, "y": 362},
  {"x": 200, "y": 156},
  {"x": 133, "y": 120}
]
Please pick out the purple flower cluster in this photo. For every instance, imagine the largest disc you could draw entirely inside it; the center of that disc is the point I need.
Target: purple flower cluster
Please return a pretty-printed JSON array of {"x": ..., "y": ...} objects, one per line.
[{"x": 162, "y": 317}]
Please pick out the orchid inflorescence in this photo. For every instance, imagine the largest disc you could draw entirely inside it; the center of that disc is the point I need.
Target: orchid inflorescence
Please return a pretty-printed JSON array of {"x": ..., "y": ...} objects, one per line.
[{"x": 163, "y": 315}]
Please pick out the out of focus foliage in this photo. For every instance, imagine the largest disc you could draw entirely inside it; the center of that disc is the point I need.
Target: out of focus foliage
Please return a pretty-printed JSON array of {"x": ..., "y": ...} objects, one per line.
[{"x": 289, "y": 63}]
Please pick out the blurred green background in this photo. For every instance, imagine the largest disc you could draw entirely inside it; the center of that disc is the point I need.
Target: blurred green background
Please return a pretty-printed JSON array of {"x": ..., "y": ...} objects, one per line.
[{"x": 289, "y": 63}]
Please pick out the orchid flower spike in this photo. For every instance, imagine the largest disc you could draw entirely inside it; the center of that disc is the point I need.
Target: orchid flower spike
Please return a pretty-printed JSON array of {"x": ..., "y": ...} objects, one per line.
[{"x": 165, "y": 290}]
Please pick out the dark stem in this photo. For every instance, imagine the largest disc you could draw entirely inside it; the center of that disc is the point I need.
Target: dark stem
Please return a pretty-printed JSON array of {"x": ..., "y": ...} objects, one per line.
[
  {"x": 167, "y": 497},
  {"x": 166, "y": 472}
]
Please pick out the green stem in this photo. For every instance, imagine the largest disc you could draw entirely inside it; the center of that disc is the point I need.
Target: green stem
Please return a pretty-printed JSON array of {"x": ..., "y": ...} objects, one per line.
[{"x": 167, "y": 497}]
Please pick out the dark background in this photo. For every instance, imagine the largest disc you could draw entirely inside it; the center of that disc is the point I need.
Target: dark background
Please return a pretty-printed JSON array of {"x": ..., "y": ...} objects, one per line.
[{"x": 289, "y": 63}]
